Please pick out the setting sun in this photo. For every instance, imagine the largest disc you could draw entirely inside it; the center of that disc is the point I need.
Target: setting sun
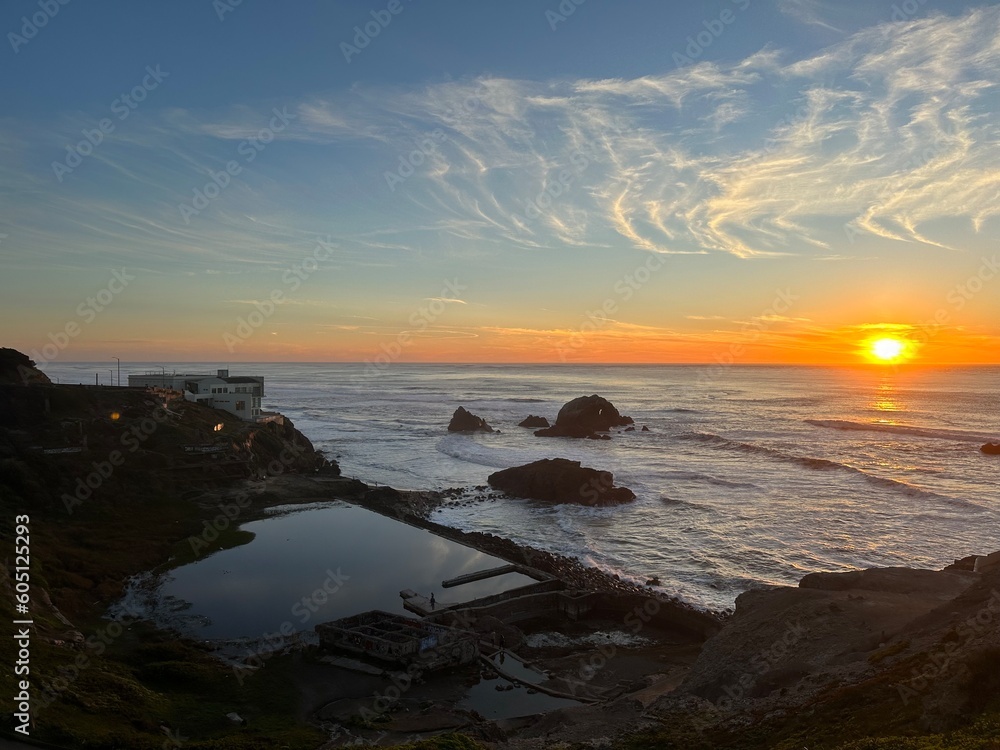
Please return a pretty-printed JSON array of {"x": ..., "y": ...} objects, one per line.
[{"x": 887, "y": 349}]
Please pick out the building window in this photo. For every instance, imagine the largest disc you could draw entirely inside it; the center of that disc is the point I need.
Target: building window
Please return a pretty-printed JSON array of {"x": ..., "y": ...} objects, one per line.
[{"x": 241, "y": 406}]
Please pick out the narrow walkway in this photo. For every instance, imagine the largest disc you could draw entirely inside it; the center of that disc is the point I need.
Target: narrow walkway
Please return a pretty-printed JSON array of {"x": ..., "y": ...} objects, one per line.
[
  {"x": 479, "y": 575},
  {"x": 421, "y": 605}
]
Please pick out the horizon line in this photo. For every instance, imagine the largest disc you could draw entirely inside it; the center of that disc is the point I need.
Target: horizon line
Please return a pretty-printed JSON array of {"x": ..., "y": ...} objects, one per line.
[{"x": 214, "y": 363}]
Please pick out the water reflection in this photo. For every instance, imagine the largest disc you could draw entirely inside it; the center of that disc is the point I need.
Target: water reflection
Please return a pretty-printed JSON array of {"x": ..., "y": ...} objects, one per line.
[
  {"x": 887, "y": 398},
  {"x": 487, "y": 699},
  {"x": 321, "y": 564}
]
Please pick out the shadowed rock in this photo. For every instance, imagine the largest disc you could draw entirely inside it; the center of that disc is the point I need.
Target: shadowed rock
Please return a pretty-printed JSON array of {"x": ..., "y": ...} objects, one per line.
[
  {"x": 532, "y": 421},
  {"x": 18, "y": 369},
  {"x": 559, "y": 480},
  {"x": 584, "y": 416},
  {"x": 465, "y": 421},
  {"x": 988, "y": 563},
  {"x": 841, "y": 626}
]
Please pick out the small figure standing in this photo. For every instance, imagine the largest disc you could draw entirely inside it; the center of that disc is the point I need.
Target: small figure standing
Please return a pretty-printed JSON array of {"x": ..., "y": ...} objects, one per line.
[{"x": 433, "y": 603}]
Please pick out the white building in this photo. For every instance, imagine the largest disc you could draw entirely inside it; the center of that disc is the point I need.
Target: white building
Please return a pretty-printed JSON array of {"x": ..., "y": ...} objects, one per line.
[{"x": 239, "y": 395}]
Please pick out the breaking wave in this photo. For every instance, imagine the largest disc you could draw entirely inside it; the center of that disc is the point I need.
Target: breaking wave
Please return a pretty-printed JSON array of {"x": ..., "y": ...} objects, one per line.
[
  {"x": 899, "y": 429},
  {"x": 680, "y": 503},
  {"x": 465, "y": 449},
  {"x": 824, "y": 464},
  {"x": 695, "y": 476}
]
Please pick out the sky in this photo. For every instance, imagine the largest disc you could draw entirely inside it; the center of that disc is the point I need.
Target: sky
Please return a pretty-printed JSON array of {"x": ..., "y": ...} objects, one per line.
[{"x": 727, "y": 181}]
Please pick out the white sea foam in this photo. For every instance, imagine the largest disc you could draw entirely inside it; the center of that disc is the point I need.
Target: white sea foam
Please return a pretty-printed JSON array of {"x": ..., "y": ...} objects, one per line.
[
  {"x": 751, "y": 478},
  {"x": 901, "y": 429}
]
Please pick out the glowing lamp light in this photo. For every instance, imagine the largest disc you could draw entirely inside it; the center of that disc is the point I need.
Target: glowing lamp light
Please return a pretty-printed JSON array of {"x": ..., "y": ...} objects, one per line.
[
  {"x": 219, "y": 427},
  {"x": 115, "y": 416}
]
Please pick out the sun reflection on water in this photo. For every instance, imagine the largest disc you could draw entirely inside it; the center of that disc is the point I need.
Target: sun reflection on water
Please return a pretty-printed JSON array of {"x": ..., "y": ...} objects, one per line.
[{"x": 887, "y": 399}]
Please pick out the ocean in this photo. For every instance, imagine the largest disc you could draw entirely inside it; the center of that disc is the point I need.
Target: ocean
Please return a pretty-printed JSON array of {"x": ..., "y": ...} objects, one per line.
[{"x": 749, "y": 475}]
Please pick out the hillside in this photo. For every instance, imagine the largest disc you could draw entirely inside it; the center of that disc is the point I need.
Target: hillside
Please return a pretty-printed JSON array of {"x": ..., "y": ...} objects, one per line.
[{"x": 113, "y": 482}]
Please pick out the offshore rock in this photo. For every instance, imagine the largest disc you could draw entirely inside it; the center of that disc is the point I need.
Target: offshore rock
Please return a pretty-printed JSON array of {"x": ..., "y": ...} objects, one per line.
[
  {"x": 465, "y": 421},
  {"x": 584, "y": 416},
  {"x": 559, "y": 480}
]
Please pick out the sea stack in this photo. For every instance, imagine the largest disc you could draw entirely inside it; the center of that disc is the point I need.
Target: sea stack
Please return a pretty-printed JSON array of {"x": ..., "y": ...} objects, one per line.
[
  {"x": 584, "y": 417},
  {"x": 465, "y": 421}
]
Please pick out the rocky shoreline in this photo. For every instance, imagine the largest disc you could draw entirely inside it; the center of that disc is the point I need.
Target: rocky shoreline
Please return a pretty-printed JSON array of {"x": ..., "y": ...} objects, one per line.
[
  {"x": 831, "y": 663},
  {"x": 415, "y": 507},
  {"x": 789, "y": 657}
]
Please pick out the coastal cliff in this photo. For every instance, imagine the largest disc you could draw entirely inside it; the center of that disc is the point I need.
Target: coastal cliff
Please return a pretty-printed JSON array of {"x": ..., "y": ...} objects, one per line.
[
  {"x": 106, "y": 483},
  {"x": 878, "y": 659}
]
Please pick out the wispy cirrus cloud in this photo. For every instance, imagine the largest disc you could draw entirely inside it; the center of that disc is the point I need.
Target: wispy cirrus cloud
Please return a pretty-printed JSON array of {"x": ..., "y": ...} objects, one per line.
[
  {"x": 809, "y": 12},
  {"x": 888, "y": 135},
  {"x": 888, "y": 132}
]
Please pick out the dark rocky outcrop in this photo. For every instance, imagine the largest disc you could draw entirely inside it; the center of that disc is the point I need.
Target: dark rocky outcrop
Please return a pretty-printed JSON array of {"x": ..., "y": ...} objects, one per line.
[
  {"x": 559, "y": 480},
  {"x": 991, "y": 449},
  {"x": 966, "y": 563},
  {"x": 386, "y": 494},
  {"x": 988, "y": 563},
  {"x": 532, "y": 421},
  {"x": 584, "y": 416},
  {"x": 465, "y": 421},
  {"x": 19, "y": 369},
  {"x": 908, "y": 581},
  {"x": 786, "y": 643}
]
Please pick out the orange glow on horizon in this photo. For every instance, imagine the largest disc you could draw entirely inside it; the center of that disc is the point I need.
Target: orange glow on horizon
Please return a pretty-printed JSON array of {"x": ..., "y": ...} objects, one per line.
[{"x": 715, "y": 342}]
